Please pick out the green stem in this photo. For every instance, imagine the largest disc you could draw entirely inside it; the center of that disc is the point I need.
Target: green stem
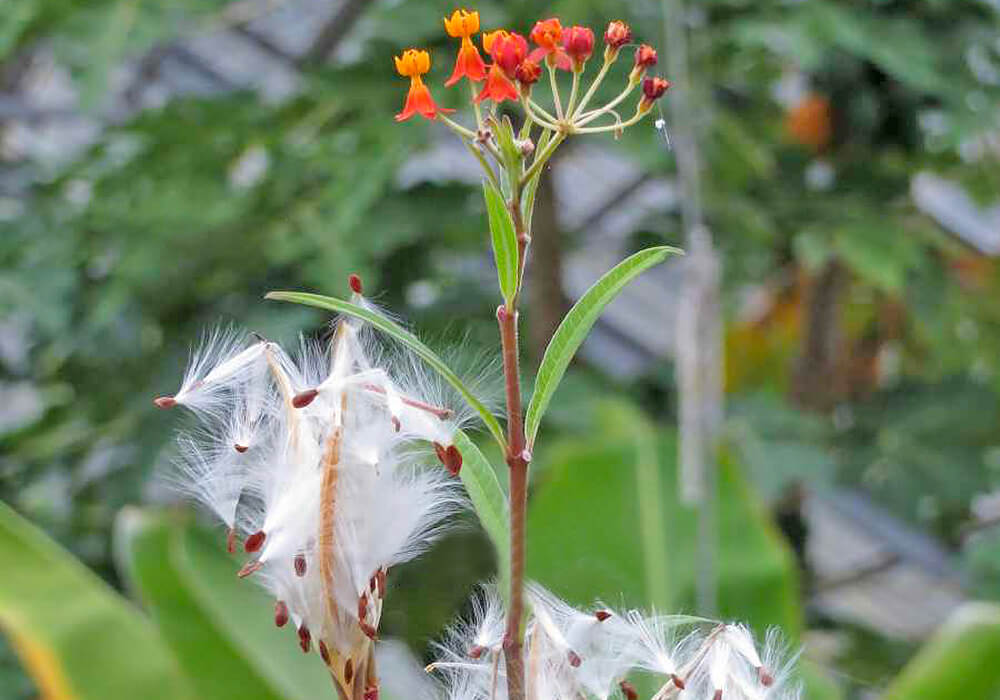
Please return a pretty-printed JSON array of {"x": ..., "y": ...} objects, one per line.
[
  {"x": 542, "y": 157},
  {"x": 593, "y": 88},
  {"x": 555, "y": 91},
  {"x": 594, "y": 114},
  {"x": 572, "y": 92}
]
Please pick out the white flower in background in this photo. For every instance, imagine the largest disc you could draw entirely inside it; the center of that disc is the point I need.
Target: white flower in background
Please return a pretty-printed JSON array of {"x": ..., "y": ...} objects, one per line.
[
  {"x": 572, "y": 654},
  {"x": 319, "y": 463}
]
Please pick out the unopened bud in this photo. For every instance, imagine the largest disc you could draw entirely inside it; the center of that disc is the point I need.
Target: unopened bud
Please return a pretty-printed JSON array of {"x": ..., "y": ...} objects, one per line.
[
  {"x": 354, "y": 281},
  {"x": 645, "y": 58},
  {"x": 165, "y": 402},
  {"x": 652, "y": 90},
  {"x": 526, "y": 147},
  {"x": 579, "y": 44},
  {"x": 628, "y": 690},
  {"x": 617, "y": 35}
]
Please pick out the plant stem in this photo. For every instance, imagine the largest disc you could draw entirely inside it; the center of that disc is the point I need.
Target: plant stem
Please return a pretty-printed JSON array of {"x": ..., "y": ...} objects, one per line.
[{"x": 507, "y": 317}]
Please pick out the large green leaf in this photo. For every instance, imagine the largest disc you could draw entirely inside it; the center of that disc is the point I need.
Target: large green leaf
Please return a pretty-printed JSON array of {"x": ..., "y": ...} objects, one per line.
[
  {"x": 151, "y": 549},
  {"x": 406, "y": 338},
  {"x": 489, "y": 501},
  {"x": 578, "y": 322},
  {"x": 504, "y": 240},
  {"x": 594, "y": 532},
  {"x": 960, "y": 661},
  {"x": 76, "y": 636},
  {"x": 222, "y": 627}
]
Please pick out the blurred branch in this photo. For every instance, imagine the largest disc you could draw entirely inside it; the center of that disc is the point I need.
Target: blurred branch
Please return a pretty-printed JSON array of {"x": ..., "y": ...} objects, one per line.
[
  {"x": 699, "y": 322},
  {"x": 334, "y": 31}
]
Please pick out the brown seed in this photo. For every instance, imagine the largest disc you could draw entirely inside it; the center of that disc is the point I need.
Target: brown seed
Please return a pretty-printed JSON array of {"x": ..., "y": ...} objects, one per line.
[
  {"x": 241, "y": 448},
  {"x": 254, "y": 541},
  {"x": 396, "y": 425},
  {"x": 766, "y": 679},
  {"x": 718, "y": 694},
  {"x": 303, "y": 399},
  {"x": 602, "y": 615},
  {"x": 249, "y": 568},
  {"x": 453, "y": 460},
  {"x": 280, "y": 613},
  {"x": 324, "y": 652},
  {"x": 371, "y": 693},
  {"x": 349, "y": 671},
  {"x": 380, "y": 580},
  {"x": 369, "y": 631},
  {"x": 305, "y": 638},
  {"x": 300, "y": 565},
  {"x": 476, "y": 651},
  {"x": 574, "y": 659},
  {"x": 628, "y": 690},
  {"x": 678, "y": 681},
  {"x": 354, "y": 281},
  {"x": 363, "y": 606},
  {"x": 231, "y": 541},
  {"x": 165, "y": 402}
]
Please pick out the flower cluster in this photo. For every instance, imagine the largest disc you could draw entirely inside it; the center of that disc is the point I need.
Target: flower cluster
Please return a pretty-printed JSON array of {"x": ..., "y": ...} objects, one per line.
[
  {"x": 572, "y": 654},
  {"x": 317, "y": 463},
  {"x": 515, "y": 66}
]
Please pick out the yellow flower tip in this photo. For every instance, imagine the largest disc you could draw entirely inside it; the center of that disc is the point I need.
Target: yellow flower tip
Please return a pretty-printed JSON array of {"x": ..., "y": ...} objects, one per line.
[
  {"x": 490, "y": 37},
  {"x": 462, "y": 24},
  {"x": 413, "y": 63}
]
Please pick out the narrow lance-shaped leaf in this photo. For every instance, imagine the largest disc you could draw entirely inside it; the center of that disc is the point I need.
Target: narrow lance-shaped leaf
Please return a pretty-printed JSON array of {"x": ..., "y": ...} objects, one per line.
[
  {"x": 504, "y": 240},
  {"x": 488, "y": 500},
  {"x": 396, "y": 331},
  {"x": 577, "y": 324}
]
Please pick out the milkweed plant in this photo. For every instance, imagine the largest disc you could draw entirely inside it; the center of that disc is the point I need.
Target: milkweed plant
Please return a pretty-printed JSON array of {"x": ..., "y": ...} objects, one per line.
[{"x": 323, "y": 462}]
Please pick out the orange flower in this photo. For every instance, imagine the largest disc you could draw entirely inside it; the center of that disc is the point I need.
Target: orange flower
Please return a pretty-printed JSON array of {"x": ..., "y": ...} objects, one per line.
[
  {"x": 469, "y": 64},
  {"x": 413, "y": 64},
  {"x": 508, "y": 50},
  {"x": 548, "y": 35}
]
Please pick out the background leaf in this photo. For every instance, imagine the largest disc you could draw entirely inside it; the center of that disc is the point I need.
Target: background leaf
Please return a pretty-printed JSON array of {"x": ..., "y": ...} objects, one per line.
[{"x": 77, "y": 637}]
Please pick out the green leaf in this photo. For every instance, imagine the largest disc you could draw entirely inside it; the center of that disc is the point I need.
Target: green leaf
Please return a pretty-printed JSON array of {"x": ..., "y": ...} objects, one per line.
[
  {"x": 150, "y": 550},
  {"x": 504, "y": 240},
  {"x": 222, "y": 628},
  {"x": 396, "y": 331},
  {"x": 76, "y": 636},
  {"x": 577, "y": 324},
  {"x": 958, "y": 662},
  {"x": 489, "y": 501},
  {"x": 593, "y": 535}
]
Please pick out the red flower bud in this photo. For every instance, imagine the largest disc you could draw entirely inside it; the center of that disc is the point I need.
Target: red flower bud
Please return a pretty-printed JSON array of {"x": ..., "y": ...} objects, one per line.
[
  {"x": 617, "y": 34},
  {"x": 528, "y": 72},
  {"x": 653, "y": 88},
  {"x": 645, "y": 56},
  {"x": 579, "y": 44}
]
